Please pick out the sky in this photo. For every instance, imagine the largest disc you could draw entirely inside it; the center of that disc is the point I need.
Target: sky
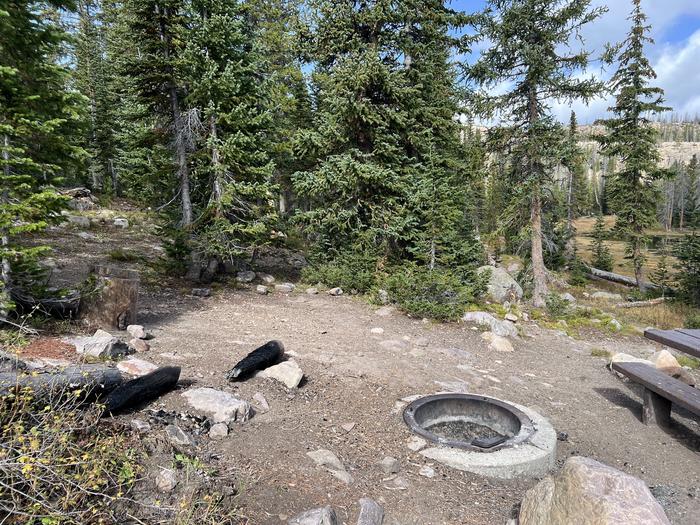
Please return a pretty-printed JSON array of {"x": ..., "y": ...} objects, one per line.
[{"x": 675, "y": 53}]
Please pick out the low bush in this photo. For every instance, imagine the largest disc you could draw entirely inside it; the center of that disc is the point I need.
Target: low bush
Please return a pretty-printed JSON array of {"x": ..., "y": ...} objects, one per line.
[
  {"x": 353, "y": 272},
  {"x": 557, "y": 308}
]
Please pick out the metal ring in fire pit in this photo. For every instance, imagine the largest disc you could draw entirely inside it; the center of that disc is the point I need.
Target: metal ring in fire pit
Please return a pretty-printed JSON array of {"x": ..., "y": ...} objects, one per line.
[{"x": 468, "y": 421}]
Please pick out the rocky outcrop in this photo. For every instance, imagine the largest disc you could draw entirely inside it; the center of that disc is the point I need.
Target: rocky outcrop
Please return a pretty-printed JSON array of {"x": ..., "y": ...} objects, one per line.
[
  {"x": 501, "y": 286},
  {"x": 587, "y": 492},
  {"x": 501, "y": 328}
]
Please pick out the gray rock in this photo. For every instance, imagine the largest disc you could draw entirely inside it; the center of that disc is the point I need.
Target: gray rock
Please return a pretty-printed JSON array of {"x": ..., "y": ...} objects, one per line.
[
  {"x": 88, "y": 236},
  {"x": 511, "y": 317},
  {"x": 262, "y": 289},
  {"x": 136, "y": 367},
  {"x": 201, "y": 292},
  {"x": 312, "y": 291},
  {"x": 260, "y": 402},
  {"x": 501, "y": 285},
  {"x": 245, "y": 277},
  {"x": 79, "y": 220},
  {"x": 615, "y": 325},
  {"x": 326, "y": 459},
  {"x": 140, "y": 426},
  {"x": 427, "y": 472},
  {"x": 121, "y": 223},
  {"x": 139, "y": 345},
  {"x": 218, "y": 431},
  {"x": 137, "y": 331},
  {"x": 568, "y": 298},
  {"x": 177, "y": 436},
  {"x": 383, "y": 296},
  {"x": 497, "y": 343},
  {"x": 390, "y": 465},
  {"x": 266, "y": 278},
  {"x": 166, "y": 480},
  {"x": 377, "y": 330},
  {"x": 289, "y": 373},
  {"x": 606, "y": 296},
  {"x": 397, "y": 483},
  {"x": 502, "y": 328},
  {"x": 221, "y": 406},
  {"x": 371, "y": 512},
  {"x": 284, "y": 288},
  {"x": 416, "y": 443},
  {"x": 101, "y": 345},
  {"x": 335, "y": 292},
  {"x": 320, "y": 516}
]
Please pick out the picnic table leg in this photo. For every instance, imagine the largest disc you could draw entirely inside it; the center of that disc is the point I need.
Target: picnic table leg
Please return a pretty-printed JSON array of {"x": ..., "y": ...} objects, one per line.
[{"x": 656, "y": 409}]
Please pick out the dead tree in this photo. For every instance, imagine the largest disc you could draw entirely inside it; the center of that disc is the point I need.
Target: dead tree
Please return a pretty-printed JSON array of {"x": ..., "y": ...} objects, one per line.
[{"x": 112, "y": 300}]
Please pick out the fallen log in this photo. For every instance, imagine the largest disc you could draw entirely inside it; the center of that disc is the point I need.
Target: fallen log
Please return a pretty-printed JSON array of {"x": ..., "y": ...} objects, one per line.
[
  {"x": 92, "y": 379},
  {"x": 641, "y": 304},
  {"x": 259, "y": 359},
  {"x": 144, "y": 388},
  {"x": 64, "y": 307},
  {"x": 620, "y": 279}
]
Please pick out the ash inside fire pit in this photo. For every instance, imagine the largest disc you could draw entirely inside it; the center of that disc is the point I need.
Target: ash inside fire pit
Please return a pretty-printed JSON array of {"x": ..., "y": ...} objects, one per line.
[{"x": 463, "y": 431}]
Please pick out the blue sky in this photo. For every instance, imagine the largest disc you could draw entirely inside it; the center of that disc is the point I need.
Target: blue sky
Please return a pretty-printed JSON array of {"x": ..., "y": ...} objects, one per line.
[{"x": 675, "y": 54}]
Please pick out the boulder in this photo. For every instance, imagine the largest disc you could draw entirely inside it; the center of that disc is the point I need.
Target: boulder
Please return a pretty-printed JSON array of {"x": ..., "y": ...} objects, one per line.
[
  {"x": 102, "y": 345},
  {"x": 136, "y": 367},
  {"x": 266, "y": 278},
  {"x": 289, "y": 373},
  {"x": 588, "y": 492},
  {"x": 312, "y": 291},
  {"x": 501, "y": 286},
  {"x": 284, "y": 288},
  {"x": 568, "y": 298},
  {"x": 615, "y": 325},
  {"x": 79, "y": 221},
  {"x": 245, "y": 277},
  {"x": 139, "y": 345},
  {"x": 262, "y": 289},
  {"x": 121, "y": 222},
  {"x": 383, "y": 297},
  {"x": 201, "y": 292},
  {"x": 335, "y": 292},
  {"x": 667, "y": 363},
  {"x": 166, "y": 480},
  {"x": 321, "y": 516},
  {"x": 136, "y": 331},
  {"x": 221, "y": 406},
  {"x": 497, "y": 343},
  {"x": 218, "y": 431},
  {"x": 328, "y": 460},
  {"x": 606, "y": 296},
  {"x": 502, "y": 328},
  {"x": 371, "y": 512}
]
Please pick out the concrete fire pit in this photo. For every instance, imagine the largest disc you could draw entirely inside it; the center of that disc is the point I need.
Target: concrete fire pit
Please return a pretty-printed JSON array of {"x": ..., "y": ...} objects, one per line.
[{"x": 483, "y": 435}]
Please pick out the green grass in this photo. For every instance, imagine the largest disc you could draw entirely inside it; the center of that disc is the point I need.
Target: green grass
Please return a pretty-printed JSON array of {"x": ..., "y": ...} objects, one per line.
[
  {"x": 122, "y": 255},
  {"x": 691, "y": 362},
  {"x": 599, "y": 352}
]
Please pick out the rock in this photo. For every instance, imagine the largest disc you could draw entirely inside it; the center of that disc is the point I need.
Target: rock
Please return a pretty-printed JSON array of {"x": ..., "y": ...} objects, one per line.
[
  {"x": 390, "y": 465},
  {"x": 666, "y": 362},
  {"x": 422, "y": 342},
  {"x": 284, "y": 288},
  {"x": 245, "y": 277},
  {"x": 335, "y": 292},
  {"x": 416, "y": 443},
  {"x": 266, "y": 278},
  {"x": 385, "y": 311},
  {"x": 502, "y": 328},
  {"x": 140, "y": 426},
  {"x": 427, "y": 472},
  {"x": 79, "y": 220},
  {"x": 312, "y": 291},
  {"x": 262, "y": 289},
  {"x": 136, "y": 331},
  {"x": 397, "y": 483},
  {"x": 136, "y": 367},
  {"x": 320, "y": 516},
  {"x": 588, "y": 492},
  {"x": 621, "y": 357},
  {"x": 218, "y": 431},
  {"x": 326, "y": 459},
  {"x": 501, "y": 285},
  {"x": 377, "y": 330},
  {"x": 221, "y": 406},
  {"x": 201, "y": 292},
  {"x": 348, "y": 427},
  {"x": 371, "y": 512},
  {"x": 615, "y": 325},
  {"x": 287, "y": 372},
  {"x": 88, "y": 236},
  {"x": 139, "y": 345},
  {"x": 497, "y": 343},
  {"x": 261, "y": 402},
  {"x": 511, "y": 317},
  {"x": 121, "y": 222},
  {"x": 606, "y": 296},
  {"x": 383, "y": 297},
  {"x": 102, "y": 345},
  {"x": 526, "y": 316},
  {"x": 177, "y": 436},
  {"x": 568, "y": 298},
  {"x": 166, "y": 480}
]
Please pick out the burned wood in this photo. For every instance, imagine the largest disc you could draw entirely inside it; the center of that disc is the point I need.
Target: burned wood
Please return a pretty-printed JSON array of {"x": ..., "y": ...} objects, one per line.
[
  {"x": 93, "y": 379},
  {"x": 112, "y": 303},
  {"x": 65, "y": 307},
  {"x": 144, "y": 388},
  {"x": 259, "y": 359}
]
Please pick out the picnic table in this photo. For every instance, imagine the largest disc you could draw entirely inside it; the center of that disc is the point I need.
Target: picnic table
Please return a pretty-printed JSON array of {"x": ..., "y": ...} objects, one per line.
[{"x": 660, "y": 389}]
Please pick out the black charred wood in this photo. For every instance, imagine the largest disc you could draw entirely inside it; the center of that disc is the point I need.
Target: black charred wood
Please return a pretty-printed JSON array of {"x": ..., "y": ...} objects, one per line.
[
  {"x": 93, "y": 380},
  {"x": 259, "y": 359},
  {"x": 142, "y": 389}
]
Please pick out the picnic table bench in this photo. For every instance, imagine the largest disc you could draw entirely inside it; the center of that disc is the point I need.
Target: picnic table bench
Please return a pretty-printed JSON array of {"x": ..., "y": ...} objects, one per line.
[{"x": 660, "y": 389}]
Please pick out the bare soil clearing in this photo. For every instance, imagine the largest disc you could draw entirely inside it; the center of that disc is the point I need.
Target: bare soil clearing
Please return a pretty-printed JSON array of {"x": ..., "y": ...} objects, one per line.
[{"x": 355, "y": 375}]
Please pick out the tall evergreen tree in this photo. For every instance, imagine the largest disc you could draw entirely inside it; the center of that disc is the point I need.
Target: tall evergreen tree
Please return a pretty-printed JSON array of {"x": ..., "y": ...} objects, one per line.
[
  {"x": 530, "y": 53},
  {"x": 632, "y": 139},
  {"x": 575, "y": 188},
  {"x": 601, "y": 257}
]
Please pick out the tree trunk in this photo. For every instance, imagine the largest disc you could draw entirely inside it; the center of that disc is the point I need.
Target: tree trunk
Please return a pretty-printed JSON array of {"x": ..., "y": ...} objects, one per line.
[
  {"x": 217, "y": 190},
  {"x": 571, "y": 240},
  {"x": 113, "y": 175},
  {"x": 5, "y": 271},
  {"x": 539, "y": 271},
  {"x": 637, "y": 262},
  {"x": 92, "y": 379},
  {"x": 113, "y": 302}
]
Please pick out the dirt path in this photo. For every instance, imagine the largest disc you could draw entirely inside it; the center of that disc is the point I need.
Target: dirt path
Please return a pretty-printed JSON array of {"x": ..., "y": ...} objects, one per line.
[{"x": 355, "y": 376}]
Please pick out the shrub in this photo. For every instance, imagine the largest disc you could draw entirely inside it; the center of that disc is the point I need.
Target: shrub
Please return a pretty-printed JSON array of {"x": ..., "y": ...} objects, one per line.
[
  {"x": 578, "y": 275},
  {"x": 436, "y": 294},
  {"x": 688, "y": 254},
  {"x": 692, "y": 321},
  {"x": 557, "y": 308},
  {"x": 353, "y": 272},
  {"x": 601, "y": 259}
]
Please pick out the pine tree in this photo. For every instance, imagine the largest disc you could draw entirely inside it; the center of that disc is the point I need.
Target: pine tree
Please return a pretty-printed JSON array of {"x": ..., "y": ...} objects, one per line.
[
  {"x": 632, "y": 139},
  {"x": 575, "y": 184},
  {"x": 38, "y": 119},
  {"x": 662, "y": 274},
  {"x": 601, "y": 257},
  {"x": 688, "y": 255},
  {"x": 529, "y": 52}
]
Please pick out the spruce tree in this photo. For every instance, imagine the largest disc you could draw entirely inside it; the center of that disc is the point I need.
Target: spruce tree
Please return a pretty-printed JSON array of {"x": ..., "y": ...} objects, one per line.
[
  {"x": 662, "y": 274},
  {"x": 530, "y": 53},
  {"x": 631, "y": 138},
  {"x": 601, "y": 257},
  {"x": 688, "y": 254}
]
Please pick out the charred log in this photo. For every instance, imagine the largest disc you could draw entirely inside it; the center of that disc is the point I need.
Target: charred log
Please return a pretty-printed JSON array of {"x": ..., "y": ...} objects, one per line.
[
  {"x": 259, "y": 359},
  {"x": 142, "y": 389},
  {"x": 65, "y": 307},
  {"x": 93, "y": 380}
]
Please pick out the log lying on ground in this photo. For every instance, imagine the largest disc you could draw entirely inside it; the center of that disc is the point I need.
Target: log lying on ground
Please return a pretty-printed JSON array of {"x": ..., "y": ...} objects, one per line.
[
  {"x": 65, "y": 307},
  {"x": 620, "y": 279},
  {"x": 142, "y": 389},
  {"x": 92, "y": 379},
  {"x": 641, "y": 304},
  {"x": 259, "y": 359}
]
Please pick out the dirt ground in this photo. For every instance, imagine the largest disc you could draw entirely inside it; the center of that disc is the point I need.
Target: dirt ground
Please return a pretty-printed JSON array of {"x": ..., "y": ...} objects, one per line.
[{"x": 355, "y": 376}]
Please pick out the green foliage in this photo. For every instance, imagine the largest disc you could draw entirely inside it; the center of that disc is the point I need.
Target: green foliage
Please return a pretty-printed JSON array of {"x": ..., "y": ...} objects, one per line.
[
  {"x": 435, "y": 294},
  {"x": 352, "y": 272},
  {"x": 662, "y": 274},
  {"x": 557, "y": 307},
  {"x": 601, "y": 257},
  {"x": 578, "y": 273},
  {"x": 688, "y": 255},
  {"x": 599, "y": 352},
  {"x": 176, "y": 243}
]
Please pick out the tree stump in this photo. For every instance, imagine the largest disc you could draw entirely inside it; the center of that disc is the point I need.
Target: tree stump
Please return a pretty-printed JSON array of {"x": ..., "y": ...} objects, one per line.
[{"x": 111, "y": 302}]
